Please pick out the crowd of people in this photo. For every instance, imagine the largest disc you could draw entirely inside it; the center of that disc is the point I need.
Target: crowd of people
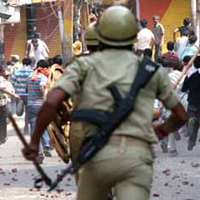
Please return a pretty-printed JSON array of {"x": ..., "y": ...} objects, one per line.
[
  {"x": 23, "y": 87},
  {"x": 179, "y": 52},
  {"x": 115, "y": 47},
  {"x": 125, "y": 163}
]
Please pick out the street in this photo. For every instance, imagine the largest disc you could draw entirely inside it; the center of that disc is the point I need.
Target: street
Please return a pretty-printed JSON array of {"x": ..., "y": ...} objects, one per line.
[
  {"x": 17, "y": 175},
  {"x": 176, "y": 178}
]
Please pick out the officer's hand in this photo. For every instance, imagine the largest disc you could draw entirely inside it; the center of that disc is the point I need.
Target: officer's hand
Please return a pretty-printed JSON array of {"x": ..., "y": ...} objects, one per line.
[
  {"x": 161, "y": 134},
  {"x": 31, "y": 153}
]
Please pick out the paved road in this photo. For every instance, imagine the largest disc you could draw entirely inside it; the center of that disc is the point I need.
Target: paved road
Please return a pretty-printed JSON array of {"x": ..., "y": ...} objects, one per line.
[
  {"x": 17, "y": 175},
  {"x": 176, "y": 178}
]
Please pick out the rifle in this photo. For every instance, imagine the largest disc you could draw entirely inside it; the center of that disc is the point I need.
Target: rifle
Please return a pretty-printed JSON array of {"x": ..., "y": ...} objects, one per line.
[
  {"x": 123, "y": 108},
  {"x": 44, "y": 177}
]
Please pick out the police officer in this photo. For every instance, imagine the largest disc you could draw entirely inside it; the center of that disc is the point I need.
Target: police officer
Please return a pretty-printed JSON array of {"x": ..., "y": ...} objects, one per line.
[
  {"x": 126, "y": 162},
  {"x": 91, "y": 38},
  {"x": 76, "y": 135}
]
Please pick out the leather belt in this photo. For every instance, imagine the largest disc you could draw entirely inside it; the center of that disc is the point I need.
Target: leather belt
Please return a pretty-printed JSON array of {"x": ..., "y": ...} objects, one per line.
[{"x": 116, "y": 140}]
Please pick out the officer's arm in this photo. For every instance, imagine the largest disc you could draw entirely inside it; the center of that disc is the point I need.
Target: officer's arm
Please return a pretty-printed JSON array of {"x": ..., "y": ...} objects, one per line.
[
  {"x": 173, "y": 123},
  {"x": 47, "y": 113}
]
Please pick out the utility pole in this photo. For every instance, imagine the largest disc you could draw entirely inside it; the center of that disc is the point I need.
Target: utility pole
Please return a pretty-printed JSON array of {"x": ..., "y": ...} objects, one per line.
[
  {"x": 195, "y": 17},
  {"x": 85, "y": 14},
  {"x": 77, "y": 14},
  {"x": 2, "y": 53},
  {"x": 4, "y": 15},
  {"x": 138, "y": 9},
  {"x": 65, "y": 20},
  {"x": 194, "y": 13},
  {"x": 62, "y": 33},
  {"x": 84, "y": 20},
  {"x": 198, "y": 19},
  {"x": 68, "y": 29}
]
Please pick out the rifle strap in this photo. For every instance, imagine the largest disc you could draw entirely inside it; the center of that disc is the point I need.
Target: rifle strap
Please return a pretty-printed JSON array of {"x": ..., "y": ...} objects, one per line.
[
  {"x": 97, "y": 141},
  {"x": 146, "y": 70}
]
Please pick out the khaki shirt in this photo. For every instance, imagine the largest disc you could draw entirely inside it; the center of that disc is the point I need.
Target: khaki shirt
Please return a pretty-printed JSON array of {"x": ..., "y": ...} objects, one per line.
[{"x": 90, "y": 75}]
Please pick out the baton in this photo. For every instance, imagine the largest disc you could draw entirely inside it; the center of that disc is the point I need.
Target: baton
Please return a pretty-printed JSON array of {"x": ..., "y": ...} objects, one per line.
[
  {"x": 44, "y": 177},
  {"x": 187, "y": 67}
]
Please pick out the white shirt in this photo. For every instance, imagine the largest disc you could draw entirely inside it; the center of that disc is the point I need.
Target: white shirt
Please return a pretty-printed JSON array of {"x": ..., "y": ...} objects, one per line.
[
  {"x": 40, "y": 52},
  {"x": 144, "y": 38},
  {"x": 174, "y": 76},
  {"x": 42, "y": 47},
  {"x": 10, "y": 88}
]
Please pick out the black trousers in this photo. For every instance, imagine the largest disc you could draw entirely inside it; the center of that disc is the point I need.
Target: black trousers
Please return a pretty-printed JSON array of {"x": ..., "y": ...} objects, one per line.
[
  {"x": 3, "y": 124},
  {"x": 193, "y": 123}
]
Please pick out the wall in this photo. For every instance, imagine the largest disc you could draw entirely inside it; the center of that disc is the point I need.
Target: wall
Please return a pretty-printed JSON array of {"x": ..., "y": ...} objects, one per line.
[
  {"x": 172, "y": 13},
  {"x": 47, "y": 25},
  {"x": 15, "y": 37}
]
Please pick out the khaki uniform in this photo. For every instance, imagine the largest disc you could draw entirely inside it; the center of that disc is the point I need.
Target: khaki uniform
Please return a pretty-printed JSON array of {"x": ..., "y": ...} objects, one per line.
[{"x": 126, "y": 161}]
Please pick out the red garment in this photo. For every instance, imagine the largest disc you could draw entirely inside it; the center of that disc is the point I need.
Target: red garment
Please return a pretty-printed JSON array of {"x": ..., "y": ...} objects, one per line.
[
  {"x": 44, "y": 71},
  {"x": 170, "y": 59}
]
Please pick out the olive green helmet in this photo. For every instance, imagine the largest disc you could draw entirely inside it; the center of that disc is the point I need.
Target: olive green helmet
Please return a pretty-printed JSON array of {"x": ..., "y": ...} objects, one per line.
[
  {"x": 91, "y": 35},
  {"x": 117, "y": 27}
]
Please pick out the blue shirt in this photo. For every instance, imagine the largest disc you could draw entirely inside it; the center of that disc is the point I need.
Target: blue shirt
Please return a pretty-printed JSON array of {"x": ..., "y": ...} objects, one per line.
[
  {"x": 19, "y": 79},
  {"x": 35, "y": 96},
  {"x": 189, "y": 50}
]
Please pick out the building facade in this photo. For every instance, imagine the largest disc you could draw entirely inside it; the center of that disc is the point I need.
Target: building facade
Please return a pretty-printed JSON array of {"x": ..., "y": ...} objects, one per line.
[
  {"x": 15, "y": 35},
  {"x": 172, "y": 13}
]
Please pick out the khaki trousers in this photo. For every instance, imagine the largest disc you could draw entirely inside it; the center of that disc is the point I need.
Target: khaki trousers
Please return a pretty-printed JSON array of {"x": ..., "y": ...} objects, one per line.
[{"x": 123, "y": 164}]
